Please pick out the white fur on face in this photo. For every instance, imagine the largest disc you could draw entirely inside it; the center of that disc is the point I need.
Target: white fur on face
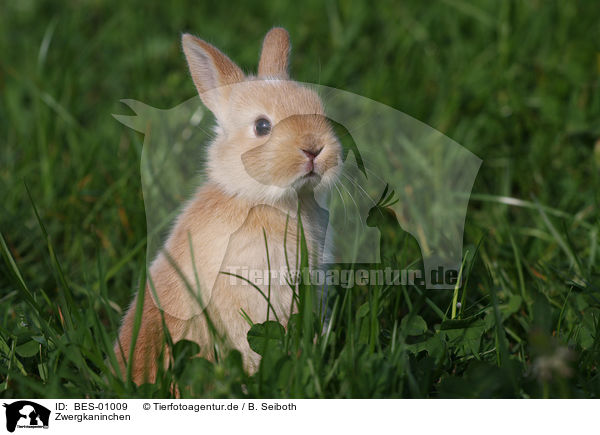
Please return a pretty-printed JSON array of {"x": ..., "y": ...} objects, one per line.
[{"x": 275, "y": 100}]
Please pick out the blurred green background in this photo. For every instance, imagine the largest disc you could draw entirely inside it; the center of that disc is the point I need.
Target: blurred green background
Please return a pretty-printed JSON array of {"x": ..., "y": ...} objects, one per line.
[{"x": 517, "y": 83}]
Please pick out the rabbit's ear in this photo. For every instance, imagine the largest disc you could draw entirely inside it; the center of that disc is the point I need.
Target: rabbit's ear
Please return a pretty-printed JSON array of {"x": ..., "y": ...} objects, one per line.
[
  {"x": 275, "y": 54},
  {"x": 210, "y": 69}
]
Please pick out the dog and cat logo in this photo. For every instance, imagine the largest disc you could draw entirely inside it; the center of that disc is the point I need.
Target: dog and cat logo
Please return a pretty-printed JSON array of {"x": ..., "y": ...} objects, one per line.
[{"x": 25, "y": 414}]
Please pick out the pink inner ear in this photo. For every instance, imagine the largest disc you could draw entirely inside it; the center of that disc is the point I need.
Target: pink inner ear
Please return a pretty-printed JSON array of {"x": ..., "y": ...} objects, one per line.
[
  {"x": 212, "y": 73},
  {"x": 209, "y": 67}
]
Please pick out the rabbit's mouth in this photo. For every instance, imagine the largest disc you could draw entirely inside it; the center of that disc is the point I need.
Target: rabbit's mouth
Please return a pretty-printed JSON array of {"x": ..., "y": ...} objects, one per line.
[{"x": 310, "y": 179}]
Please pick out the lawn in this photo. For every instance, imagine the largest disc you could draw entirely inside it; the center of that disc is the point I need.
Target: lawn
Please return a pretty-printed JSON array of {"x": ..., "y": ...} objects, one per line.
[{"x": 516, "y": 83}]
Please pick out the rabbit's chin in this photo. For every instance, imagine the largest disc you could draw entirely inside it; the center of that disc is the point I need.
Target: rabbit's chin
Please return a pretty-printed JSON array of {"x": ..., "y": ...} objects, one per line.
[{"x": 254, "y": 192}]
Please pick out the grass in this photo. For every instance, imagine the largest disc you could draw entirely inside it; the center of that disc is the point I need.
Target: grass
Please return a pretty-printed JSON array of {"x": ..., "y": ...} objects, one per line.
[{"x": 517, "y": 83}]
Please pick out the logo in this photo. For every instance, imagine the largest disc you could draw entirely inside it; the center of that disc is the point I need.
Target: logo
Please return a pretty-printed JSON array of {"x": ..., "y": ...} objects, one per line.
[{"x": 26, "y": 415}]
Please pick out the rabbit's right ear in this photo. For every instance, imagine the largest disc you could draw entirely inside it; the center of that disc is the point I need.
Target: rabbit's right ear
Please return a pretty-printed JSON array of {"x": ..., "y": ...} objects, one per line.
[
  {"x": 210, "y": 70},
  {"x": 275, "y": 54}
]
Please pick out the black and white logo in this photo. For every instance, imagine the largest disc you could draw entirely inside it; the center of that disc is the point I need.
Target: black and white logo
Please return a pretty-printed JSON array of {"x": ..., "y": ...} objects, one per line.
[{"x": 25, "y": 414}]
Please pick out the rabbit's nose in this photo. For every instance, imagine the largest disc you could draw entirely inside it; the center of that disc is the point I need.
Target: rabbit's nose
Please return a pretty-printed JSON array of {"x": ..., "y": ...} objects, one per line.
[{"x": 311, "y": 154}]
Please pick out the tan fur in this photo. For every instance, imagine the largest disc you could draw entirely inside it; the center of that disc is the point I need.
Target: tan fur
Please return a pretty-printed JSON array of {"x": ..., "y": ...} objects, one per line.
[
  {"x": 275, "y": 54},
  {"x": 254, "y": 185}
]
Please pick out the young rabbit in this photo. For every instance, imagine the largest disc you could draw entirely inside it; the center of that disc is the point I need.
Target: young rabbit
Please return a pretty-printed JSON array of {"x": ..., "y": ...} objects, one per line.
[{"x": 273, "y": 148}]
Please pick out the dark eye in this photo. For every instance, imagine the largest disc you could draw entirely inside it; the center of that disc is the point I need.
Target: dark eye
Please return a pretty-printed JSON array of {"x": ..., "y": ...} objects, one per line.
[{"x": 262, "y": 127}]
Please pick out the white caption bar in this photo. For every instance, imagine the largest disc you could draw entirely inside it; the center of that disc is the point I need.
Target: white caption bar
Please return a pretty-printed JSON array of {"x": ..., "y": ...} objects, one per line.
[{"x": 77, "y": 416}]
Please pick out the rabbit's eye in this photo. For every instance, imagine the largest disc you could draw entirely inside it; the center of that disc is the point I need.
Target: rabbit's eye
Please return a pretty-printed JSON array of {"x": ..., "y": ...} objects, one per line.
[{"x": 262, "y": 127}]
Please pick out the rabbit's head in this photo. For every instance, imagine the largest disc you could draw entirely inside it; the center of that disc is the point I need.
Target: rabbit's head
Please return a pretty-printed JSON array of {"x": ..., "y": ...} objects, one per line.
[{"x": 272, "y": 136}]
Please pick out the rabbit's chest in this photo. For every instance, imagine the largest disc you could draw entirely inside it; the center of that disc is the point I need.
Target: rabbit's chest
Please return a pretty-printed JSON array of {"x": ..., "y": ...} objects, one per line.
[{"x": 262, "y": 254}]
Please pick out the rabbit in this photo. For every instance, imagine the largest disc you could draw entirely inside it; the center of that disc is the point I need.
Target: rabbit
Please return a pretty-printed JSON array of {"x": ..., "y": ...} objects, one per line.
[{"x": 273, "y": 148}]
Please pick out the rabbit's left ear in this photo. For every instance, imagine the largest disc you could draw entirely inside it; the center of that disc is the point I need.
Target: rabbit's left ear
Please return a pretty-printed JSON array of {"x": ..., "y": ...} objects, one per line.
[
  {"x": 211, "y": 71},
  {"x": 275, "y": 54}
]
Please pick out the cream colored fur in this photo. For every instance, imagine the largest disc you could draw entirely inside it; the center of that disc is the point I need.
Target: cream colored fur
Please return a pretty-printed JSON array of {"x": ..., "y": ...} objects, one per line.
[{"x": 254, "y": 186}]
